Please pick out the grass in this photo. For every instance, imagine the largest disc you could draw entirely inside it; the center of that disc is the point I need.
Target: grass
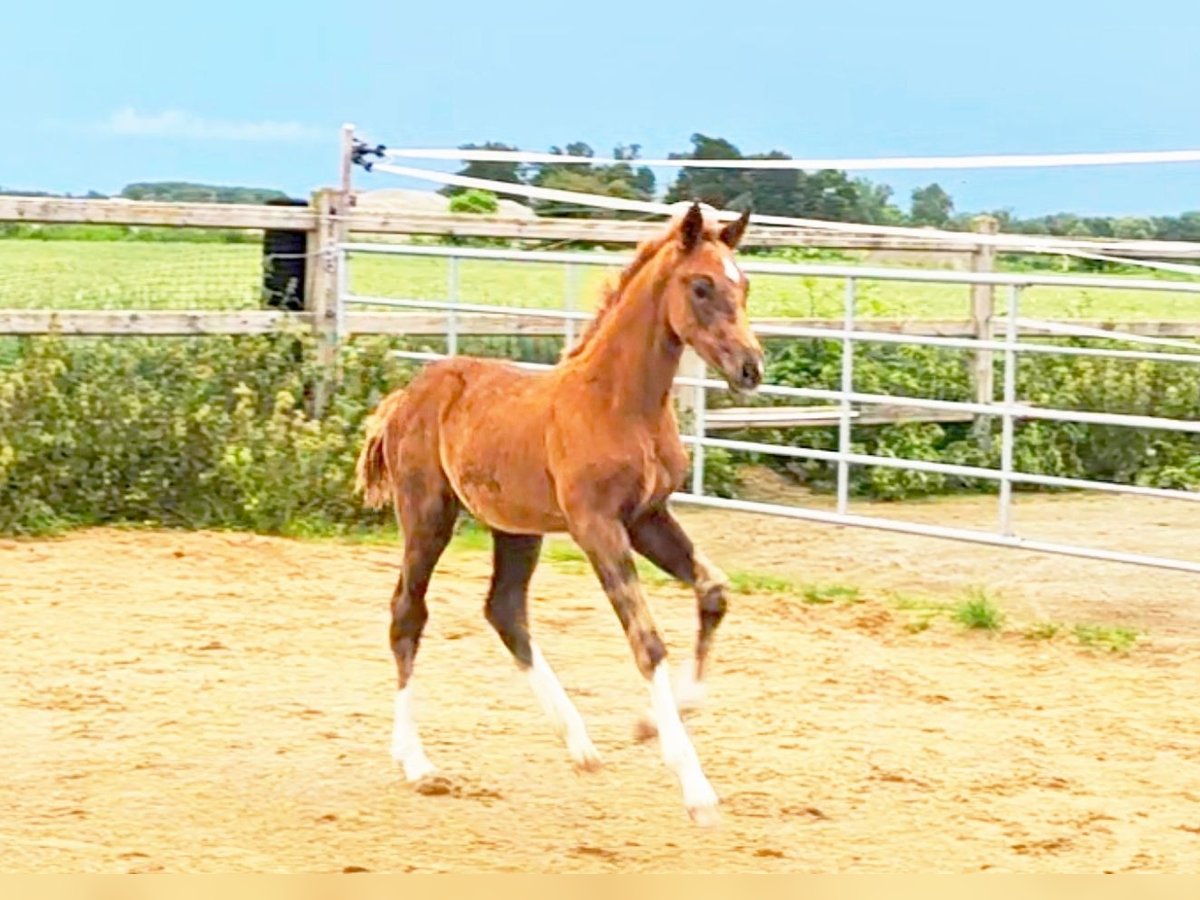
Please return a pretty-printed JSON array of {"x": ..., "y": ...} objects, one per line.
[
  {"x": 907, "y": 602},
  {"x": 64, "y": 274},
  {"x": 1042, "y": 631},
  {"x": 1113, "y": 638},
  {"x": 975, "y": 610},
  {"x": 129, "y": 275},
  {"x": 978, "y": 611},
  {"x": 823, "y": 594},
  {"x": 760, "y": 583},
  {"x": 1110, "y": 638}
]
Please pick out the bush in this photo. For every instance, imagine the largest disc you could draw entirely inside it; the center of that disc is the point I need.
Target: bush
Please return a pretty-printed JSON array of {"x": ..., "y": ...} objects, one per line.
[
  {"x": 214, "y": 431},
  {"x": 206, "y": 432},
  {"x": 474, "y": 201},
  {"x": 1101, "y": 452}
]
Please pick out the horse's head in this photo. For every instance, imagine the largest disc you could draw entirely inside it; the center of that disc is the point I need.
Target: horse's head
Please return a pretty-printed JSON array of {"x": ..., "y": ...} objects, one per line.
[{"x": 706, "y": 298}]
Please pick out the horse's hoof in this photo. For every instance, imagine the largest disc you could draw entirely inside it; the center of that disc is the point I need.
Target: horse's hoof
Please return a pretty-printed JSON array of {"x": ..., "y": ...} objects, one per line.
[
  {"x": 690, "y": 695},
  {"x": 645, "y": 729},
  {"x": 706, "y": 816},
  {"x": 433, "y": 785},
  {"x": 588, "y": 763}
]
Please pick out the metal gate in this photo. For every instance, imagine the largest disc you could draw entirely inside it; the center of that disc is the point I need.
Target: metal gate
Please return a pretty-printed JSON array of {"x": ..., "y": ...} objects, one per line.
[{"x": 848, "y": 401}]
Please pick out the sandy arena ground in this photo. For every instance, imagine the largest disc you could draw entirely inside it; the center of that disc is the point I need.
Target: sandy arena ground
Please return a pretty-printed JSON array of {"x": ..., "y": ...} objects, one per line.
[{"x": 206, "y": 702}]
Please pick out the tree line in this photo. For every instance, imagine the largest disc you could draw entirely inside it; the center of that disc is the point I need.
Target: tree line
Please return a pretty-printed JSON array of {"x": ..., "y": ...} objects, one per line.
[
  {"x": 829, "y": 194},
  {"x": 171, "y": 192}
]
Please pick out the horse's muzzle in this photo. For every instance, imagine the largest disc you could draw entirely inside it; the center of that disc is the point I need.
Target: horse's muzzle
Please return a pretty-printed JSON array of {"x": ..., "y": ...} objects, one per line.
[{"x": 746, "y": 374}]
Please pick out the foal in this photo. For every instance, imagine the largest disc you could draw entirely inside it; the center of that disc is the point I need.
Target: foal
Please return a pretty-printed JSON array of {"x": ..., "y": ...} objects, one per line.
[{"x": 590, "y": 447}]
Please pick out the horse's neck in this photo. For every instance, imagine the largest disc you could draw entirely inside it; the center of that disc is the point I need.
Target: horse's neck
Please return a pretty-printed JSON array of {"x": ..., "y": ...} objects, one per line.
[{"x": 634, "y": 356}]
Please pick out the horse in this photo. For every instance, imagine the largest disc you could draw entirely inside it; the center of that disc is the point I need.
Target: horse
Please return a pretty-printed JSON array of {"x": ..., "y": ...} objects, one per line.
[{"x": 590, "y": 447}]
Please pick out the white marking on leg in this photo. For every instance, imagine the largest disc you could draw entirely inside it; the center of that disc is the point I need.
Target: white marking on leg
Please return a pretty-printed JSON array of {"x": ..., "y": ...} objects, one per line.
[
  {"x": 690, "y": 694},
  {"x": 689, "y": 689},
  {"x": 678, "y": 752},
  {"x": 406, "y": 743},
  {"x": 562, "y": 713}
]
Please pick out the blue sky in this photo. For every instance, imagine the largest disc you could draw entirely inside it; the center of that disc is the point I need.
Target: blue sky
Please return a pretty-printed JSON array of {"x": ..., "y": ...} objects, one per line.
[{"x": 98, "y": 95}]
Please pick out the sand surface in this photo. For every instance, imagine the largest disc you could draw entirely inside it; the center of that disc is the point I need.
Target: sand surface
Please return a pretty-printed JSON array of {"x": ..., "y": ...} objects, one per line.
[{"x": 200, "y": 702}]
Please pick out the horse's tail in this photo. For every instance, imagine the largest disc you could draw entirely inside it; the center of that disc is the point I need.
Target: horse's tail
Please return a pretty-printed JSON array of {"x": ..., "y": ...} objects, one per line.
[{"x": 373, "y": 473}]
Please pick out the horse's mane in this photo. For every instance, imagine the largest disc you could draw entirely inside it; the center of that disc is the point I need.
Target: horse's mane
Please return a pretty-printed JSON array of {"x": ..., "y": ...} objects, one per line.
[{"x": 646, "y": 251}]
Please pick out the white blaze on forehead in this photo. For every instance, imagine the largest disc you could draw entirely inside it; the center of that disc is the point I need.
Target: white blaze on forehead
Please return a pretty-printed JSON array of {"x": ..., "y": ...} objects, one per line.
[{"x": 732, "y": 272}]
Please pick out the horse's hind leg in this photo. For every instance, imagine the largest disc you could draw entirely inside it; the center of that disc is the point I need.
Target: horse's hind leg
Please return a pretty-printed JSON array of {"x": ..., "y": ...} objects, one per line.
[
  {"x": 514, "y": 558},
  {"x": 658, "y": 536},
  {"x": 427, "y": 517}
]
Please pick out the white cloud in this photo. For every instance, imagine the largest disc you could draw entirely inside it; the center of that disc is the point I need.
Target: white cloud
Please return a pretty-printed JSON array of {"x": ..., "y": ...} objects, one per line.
[{"x": 175, "y": 123}]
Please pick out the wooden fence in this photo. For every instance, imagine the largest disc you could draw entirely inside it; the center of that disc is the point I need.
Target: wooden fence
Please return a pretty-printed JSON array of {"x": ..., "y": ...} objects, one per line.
[{"x": 331, "y": 218}]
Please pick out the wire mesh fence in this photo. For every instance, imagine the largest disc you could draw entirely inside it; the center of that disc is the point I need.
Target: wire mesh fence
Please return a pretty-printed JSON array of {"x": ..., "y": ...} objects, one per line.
[{"x": 117, "y": 275}]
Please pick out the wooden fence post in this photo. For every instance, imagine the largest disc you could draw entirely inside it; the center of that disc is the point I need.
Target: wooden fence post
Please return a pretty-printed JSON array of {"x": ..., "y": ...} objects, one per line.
[
  {"x": 983, "y": 305},
  {"x": 332, "y": 207},
  {"x": 321, "y": 300}
]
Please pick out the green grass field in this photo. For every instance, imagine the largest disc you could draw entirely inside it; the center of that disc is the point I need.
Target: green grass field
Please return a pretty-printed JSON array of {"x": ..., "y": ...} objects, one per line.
[{"x": 66, "y": 274}]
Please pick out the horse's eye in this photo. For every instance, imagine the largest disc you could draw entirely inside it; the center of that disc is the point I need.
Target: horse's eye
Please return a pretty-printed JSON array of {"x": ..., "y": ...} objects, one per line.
[{"x": 702, "y": 288}]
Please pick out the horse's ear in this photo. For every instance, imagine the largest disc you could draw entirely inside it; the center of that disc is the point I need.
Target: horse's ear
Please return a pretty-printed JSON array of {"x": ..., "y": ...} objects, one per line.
[
  {"x": 691, "y": 229},
  {"x": 731, "y": 234}
]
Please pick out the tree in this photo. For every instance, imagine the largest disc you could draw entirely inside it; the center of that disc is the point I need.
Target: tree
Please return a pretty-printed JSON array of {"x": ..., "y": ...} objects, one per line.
[
  {"x": 642, "y": 178},
  {"x": 828, "y": 194},
  {"x": 717, "y": 187},
  {"x": 189, "y": 192},
  {"x": 1133, "y": 227},
  {"x": 772, "y": 192},
  {"x": 931, "y": 205},
  {"x": 619, "y": 179},
  {"x": 1185, "y": 227},
  {"x": 874, "y": 204},
  {"x": 500, "y": 170}
]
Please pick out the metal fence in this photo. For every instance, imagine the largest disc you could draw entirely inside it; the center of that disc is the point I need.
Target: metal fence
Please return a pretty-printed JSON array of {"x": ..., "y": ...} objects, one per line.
[{"x": 1009, "y": 409}]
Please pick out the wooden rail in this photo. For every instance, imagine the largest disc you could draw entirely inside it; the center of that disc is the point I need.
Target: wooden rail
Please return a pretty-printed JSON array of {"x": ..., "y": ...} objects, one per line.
[
  {"x": 332, "y": 217},
  {"x": 360, "y": 221},
  {"x": 137, "y": 212},
  {"x": 135, "y": 322}
]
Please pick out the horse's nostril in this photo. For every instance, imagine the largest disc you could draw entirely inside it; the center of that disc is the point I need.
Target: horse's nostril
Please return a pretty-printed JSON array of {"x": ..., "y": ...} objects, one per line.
[{"x": 751, "y": 372}]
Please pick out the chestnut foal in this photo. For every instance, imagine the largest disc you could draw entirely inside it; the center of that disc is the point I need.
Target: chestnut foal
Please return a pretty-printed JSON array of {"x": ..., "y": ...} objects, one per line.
[{"x": 590, "y": 447}]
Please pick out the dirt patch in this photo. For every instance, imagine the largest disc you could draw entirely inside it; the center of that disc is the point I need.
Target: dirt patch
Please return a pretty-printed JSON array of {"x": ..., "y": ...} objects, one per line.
[
  {"x": 219, "y": 702},
  {"x": 1031, "y": 586}
]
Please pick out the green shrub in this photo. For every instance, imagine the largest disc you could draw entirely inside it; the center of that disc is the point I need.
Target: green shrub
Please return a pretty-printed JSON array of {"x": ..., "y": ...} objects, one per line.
[
  {"x": 1110, "y": 453},
  {"x": 215, "y": 432},
  {"x": 978, "y": 611},
  {"x": 474, "y": 201},
  {"x": 205, "y": 432}
]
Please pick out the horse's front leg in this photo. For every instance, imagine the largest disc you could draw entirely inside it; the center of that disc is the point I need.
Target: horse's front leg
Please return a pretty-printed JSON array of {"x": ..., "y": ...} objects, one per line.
[
  {"x": 606, "y": 543},
  {"x": 658, "y": 536}
]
